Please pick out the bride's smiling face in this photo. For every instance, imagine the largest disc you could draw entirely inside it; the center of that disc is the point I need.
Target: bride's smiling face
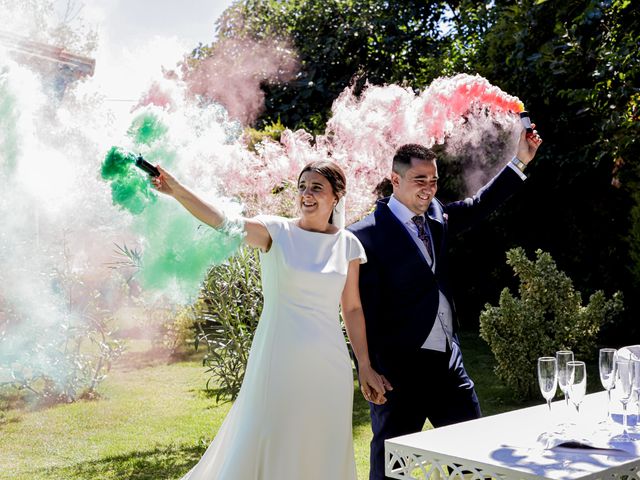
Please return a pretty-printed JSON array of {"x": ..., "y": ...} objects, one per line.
[{"x": 315, "y": 195}]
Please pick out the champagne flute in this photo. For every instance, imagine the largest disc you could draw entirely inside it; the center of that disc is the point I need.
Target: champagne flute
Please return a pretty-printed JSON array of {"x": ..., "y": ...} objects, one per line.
[
  {"x": 548, "y": 378},
  {"x": 548, "y": 382},
  {"x": 624, "y": 384},
  {"x": 607, "y": 366},
  {"x": 563, "y": 357},
  {"x": 577, "y": 385},
  {"x": 636, "y": 387}
]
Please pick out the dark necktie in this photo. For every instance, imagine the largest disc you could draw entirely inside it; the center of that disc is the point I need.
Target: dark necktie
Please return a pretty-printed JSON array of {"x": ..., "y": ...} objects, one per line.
[{"x": 423, "y": 235}]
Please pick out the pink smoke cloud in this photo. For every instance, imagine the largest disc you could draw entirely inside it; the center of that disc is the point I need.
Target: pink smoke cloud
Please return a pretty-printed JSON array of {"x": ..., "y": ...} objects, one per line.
[
  {"x": 465, "y": 112},
  {"x": 473, "y": 118},
  {"x": 232, "y": 75}
]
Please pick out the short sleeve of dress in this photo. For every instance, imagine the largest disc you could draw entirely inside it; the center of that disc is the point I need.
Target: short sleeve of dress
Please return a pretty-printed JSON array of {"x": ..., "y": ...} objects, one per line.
[
  {"x": 355, "y": 248},
  {"x": 274, "y": 225}
]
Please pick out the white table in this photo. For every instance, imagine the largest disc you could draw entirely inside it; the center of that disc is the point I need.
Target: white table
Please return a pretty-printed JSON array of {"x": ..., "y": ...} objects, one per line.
[{"x": 505, "y": 446}]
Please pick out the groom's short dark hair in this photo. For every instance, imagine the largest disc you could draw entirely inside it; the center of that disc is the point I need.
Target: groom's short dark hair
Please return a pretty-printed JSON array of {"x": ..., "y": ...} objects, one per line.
[{"x": 404, "y": 154}]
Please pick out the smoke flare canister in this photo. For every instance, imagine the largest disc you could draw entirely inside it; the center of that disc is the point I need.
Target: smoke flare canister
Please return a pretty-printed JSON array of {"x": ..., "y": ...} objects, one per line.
[
  {"x": 526, "y": 121},
  {"x": 142, "y": 164}
]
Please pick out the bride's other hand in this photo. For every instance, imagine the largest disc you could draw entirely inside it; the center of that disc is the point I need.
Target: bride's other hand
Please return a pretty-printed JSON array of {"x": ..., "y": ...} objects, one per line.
[{"x": 373, "y": 385}]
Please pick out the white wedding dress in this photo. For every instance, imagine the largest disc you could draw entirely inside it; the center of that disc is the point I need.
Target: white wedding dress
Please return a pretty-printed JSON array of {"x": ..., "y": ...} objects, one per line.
[{"x": 292, "y": 417}]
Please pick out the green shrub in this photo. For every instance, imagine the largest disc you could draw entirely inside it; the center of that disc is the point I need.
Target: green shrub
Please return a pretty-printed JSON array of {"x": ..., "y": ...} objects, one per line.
[
  {"x": 66, "y": 355},
  {"x": 170, "y": 327},
  {"x": 227, "y": 313},
  {"x": 548, "y": 316},
  {"x": 179, "y": 333},
  {"x": 272, "y": 132},
  {"x": 60, "y": 362}
]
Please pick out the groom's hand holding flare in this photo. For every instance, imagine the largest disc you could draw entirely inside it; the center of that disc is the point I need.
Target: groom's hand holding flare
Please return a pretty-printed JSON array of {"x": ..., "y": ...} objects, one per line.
[{"x": 528, "y": 145}]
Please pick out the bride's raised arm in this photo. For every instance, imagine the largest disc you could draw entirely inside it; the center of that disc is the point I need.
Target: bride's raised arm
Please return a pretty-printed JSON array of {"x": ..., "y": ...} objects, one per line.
[{"x": 257, "y": 234}]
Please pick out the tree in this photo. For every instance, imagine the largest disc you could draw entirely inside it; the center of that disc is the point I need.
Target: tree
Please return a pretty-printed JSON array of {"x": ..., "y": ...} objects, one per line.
[
  {"x": 575, "y": 67},
  {"x": 339, "y": 42},
  {"x": 40, "y": 21},
  {"x": 574, "y": 64}
]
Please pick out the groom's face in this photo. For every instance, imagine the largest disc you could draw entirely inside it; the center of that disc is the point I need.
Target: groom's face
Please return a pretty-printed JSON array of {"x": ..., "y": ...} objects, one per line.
[{"x": 417, "y": 186}]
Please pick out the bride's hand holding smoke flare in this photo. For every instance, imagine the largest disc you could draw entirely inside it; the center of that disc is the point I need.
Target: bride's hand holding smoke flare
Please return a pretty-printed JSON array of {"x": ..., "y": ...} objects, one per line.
[{"x": 165, "y": 182}]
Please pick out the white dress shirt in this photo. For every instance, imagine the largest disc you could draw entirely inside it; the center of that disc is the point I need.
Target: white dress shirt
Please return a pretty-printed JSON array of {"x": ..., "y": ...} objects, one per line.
[
  {"x": 517, "y": 170},
  {"x": 442, "y": 330}
]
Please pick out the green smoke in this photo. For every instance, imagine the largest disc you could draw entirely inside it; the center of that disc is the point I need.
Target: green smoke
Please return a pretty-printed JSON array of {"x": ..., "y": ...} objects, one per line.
[
  {"x": 147, "y": 128},
  {"x": 178, "y": 250},
  {"x": 9, "y": 114},
  {"x": 130, "y": 188}
]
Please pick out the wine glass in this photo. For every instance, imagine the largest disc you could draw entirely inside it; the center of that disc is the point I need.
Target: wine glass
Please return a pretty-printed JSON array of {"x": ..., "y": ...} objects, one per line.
[
  {"x": 548, "y": 378},
  {"x": 563, "y": 357},
  {"x": 577, "y": 385},
  {"x": 624, "y": 385},
  {"x": 607, "y": 366}
]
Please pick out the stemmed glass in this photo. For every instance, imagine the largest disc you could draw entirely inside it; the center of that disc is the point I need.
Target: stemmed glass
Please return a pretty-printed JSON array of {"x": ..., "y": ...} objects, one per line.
[
  {"x": 548, "y": 381},
  {"x": 636, "y": 388},
  {"x": 548, "y": 378},
  {"x": 607, "y": 366},
  {"x": 624, "y": 385},
  {"x": 563, "y": 357},
  {"x": 577, "y": 387}
]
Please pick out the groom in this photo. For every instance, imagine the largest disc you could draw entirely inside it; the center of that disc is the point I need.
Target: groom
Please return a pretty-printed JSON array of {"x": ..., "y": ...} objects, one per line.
[{"x": 406, "y": 295}]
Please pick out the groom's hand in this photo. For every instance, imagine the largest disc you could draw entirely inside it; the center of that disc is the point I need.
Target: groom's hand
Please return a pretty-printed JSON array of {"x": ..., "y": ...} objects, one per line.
[
  {"x": 528, "y": 145},
  {"x": 385, "y": 383},
  {"x": 373, "y": 385},
  {"x": 379, "y": 398}
]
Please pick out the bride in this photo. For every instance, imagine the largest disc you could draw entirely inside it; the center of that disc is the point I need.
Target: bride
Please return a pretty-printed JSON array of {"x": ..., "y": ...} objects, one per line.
[{"x": 292, "y": 418}]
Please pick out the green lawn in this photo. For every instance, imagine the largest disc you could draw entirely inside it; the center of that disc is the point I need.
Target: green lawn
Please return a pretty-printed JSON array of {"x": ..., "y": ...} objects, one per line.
[{"x": 154, "y": 421}]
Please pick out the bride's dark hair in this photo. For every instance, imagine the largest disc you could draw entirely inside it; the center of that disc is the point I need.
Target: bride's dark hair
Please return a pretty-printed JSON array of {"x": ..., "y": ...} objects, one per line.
[{"x": 332, "y": 172}]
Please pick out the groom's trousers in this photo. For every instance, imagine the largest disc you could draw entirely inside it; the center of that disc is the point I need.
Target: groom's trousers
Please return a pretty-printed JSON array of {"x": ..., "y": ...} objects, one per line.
[{"x": 426, "y": 384}]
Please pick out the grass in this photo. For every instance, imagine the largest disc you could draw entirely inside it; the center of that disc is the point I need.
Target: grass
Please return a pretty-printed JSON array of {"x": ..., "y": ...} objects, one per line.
[{"x": 153, "y": 421}]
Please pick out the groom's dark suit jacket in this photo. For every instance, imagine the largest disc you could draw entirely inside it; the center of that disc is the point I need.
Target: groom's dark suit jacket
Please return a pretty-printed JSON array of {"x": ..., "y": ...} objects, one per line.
[{"x": 398, "y": 289}]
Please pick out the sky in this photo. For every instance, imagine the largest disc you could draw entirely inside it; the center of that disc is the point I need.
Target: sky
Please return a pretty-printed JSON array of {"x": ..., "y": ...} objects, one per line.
[
  {"x": 126, "y": 22},
  {"x": 137, "y": 37}
]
